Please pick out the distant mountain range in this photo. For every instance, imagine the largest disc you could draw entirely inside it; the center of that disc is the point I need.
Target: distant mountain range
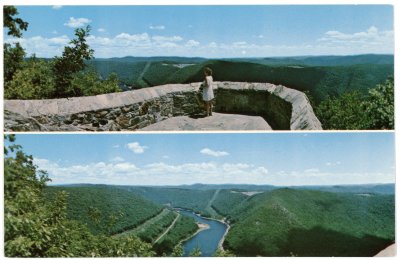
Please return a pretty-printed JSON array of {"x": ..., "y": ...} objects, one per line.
[
  {"x": 388, "y": 188},
  {"x": 321, "y": 76},
  {"x": 340, "y": 220}
]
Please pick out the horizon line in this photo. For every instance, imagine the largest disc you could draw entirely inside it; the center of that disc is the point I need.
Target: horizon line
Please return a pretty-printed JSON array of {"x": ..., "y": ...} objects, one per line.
[
  {"x": 215, "y": 184},
  {"x": 249, "y": 57}
]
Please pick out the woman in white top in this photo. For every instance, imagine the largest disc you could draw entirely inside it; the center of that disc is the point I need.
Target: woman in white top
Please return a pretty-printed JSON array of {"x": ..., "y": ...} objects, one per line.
[{"x": 208, "y": 93}]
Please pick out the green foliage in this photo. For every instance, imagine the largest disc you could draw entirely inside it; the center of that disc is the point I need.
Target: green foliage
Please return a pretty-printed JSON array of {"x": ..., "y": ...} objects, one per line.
[
  {"x": 183, "y": 228},
  {"x": 353, "y": 111},
  {"x": 223, "y": 253},
  {"x": 345, "y": 112},
  {"x": 37, "y": 227},
  {"x": 227, "y": 200},
  {"x": 14, "y": 25},
  {"x": 128, "y": 72},
  {"x": 158, "y": 72},
  {"x": 321, "y": 82},
  {"x": 178, "y": 250},
  {"x": 196, "y": 200},
  {"x": 150, "y": 233},
  {"x": 33, "y": 80},
  {"x": 13, "y": 60},
  {"x": 88, "y": 83},
  {"x": 63, "y": 77},
  {"x": 72, "y": 61},
  {"x": 195, "y": 252},
  {"x": 379, "y": 106},
  {"x": 283, "y": 221},
  {"x": 13, "y": 54},
  {"x": 86, "y": 203}
]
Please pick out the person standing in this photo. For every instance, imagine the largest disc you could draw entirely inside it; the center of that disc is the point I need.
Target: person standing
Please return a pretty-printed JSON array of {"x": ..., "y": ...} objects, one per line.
[{"x": 208, "y": 93}]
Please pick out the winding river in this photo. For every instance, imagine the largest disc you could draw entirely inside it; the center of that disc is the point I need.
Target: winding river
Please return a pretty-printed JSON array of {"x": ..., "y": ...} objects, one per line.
[{"x": 208, "y": 239}]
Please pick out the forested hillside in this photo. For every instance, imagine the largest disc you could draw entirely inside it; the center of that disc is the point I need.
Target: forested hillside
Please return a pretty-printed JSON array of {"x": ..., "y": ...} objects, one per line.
[
  {"x": 36, "y": 226},
  {"x": 288, "y": 222},
  {"x": 322, "y": 76},
  {"x": 196, "y": 200},
  {"x": 106, "y": 209}
]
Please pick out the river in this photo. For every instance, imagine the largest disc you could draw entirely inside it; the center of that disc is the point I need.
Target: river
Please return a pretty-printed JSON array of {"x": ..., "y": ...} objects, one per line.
[{"x": 207, "y": 240}]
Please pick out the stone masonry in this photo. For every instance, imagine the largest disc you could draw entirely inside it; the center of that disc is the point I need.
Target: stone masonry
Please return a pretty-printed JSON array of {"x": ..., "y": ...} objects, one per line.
[{"x": 281, "y": 107}]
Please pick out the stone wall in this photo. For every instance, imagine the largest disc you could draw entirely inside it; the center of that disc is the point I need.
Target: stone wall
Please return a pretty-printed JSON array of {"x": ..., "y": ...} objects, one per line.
[{"x": 281, "y": 107}]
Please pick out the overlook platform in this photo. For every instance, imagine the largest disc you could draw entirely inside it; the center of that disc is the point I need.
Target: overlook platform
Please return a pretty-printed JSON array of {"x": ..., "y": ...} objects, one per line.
[
  {"x": 283, "y": 108},
  {"x": 216, "y": 122}
]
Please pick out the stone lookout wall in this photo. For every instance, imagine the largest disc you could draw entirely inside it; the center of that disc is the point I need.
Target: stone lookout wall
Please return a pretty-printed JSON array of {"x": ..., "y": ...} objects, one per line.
[{"x": 281, "y": 107}]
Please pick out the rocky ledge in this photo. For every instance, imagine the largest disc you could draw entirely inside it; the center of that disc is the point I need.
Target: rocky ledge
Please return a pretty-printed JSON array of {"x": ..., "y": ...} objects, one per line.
[
  {"x": 216, "y": 122},
  {"x": 283, "y": 108}
]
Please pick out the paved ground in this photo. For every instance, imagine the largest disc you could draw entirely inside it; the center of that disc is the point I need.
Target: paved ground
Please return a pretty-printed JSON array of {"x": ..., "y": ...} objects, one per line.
[
  {"x": 390, "y": 251},
  {"x": 215, "y": 122}
]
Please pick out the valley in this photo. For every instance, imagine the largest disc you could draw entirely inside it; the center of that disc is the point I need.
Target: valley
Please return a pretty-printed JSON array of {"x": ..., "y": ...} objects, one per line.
[
  {"x": 320, "y": 76},
  {"x": 262, "y": 220}
]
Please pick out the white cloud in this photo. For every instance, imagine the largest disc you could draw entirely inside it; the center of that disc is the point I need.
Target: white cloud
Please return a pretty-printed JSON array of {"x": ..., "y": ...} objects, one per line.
[
  {"x": 42, "y": 47},
  {"x": 124, "y": 44},
  {"x": 57, "y": 7},
  {"x": 372, "y": 39},
  {"x": 153, "y": 174},
  {"x": 130, "y": 37},
  {"x": 157, "y": 27},
  {"x": 101, "y": 30},
  {"x": 117, "y": 159},
  {"x": 192, "y": 43},
  {"x": 77, "y": 22},
  {"x": 210, "y": 152},
  {"x": 311, "y": 170},
  {"x": 333, "y": 163},
  {"x": 204, "y": 172},
  {"x": 116, "y": 146},
  {"x": 167, "y": 39},
  {"x": 54, "y": 32},
  {"x": 136, "y": 147},
  {"x": 165, "y": 157}
]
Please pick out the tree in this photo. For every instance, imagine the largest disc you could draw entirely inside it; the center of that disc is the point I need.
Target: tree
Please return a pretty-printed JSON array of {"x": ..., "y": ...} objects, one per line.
[
  {"x": 223, "y": 253},
  {"x": 13, "y": 53},
  {"x": 354, "y": 111},
  {"x": 195, "y": 252},
  {"x": 72, "y": 61},
  {"x": 344, "y": 112},
  {"x": 88, "y": 83},
  {"x": 379, "y": 106},
  {"x": 178, "y": 250},
  {"x": 14, "y": 25},
  {"x": 34, "y": 80},
  {"x": 36, "y": 227}
]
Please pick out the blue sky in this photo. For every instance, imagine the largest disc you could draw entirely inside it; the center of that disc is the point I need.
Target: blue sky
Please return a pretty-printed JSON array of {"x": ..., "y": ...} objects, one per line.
[
  {"x": 173, "y": 159},
  {"x": 212, "y": 31}
]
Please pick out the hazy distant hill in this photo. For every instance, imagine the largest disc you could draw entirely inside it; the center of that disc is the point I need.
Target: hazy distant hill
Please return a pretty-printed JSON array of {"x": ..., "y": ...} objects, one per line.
[
  {"x": 325, "y": 60},
  {"x": 322, "y": 76},
  {"x": 265, "y": 220}
]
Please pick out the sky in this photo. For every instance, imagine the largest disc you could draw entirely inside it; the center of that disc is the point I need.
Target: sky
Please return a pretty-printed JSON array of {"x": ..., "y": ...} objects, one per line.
[
  {"x": 286, "y": 159},
  {"x": 212, "y": 31}
]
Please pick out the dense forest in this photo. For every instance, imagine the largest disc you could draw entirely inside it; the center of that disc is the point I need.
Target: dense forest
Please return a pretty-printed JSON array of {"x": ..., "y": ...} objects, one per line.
[
  {"x": 102, "y": 220},
  {"x": 287, "y": 222},
  {"x": 346, "y": 92},
  {"x": 350, "y": 92},
  {"x": 321, "y": 81},
  {"x": 82, "y": 220}
]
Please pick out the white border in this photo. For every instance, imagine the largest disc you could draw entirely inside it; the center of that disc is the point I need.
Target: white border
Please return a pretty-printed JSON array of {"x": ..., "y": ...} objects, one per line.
[{"x": 215, "y": 2}]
